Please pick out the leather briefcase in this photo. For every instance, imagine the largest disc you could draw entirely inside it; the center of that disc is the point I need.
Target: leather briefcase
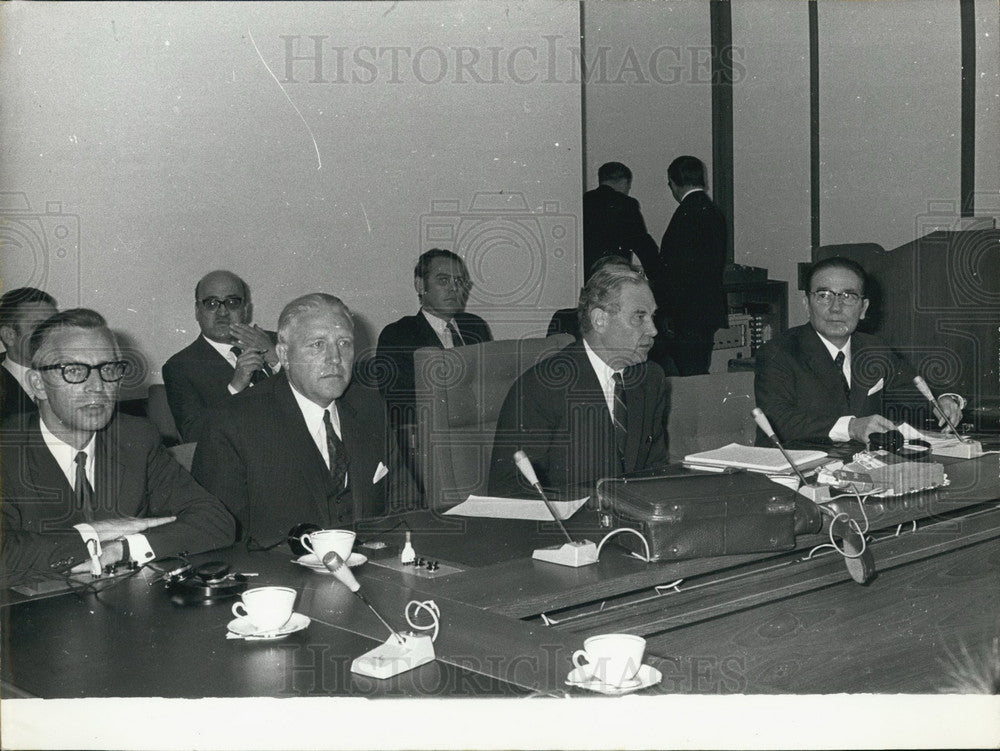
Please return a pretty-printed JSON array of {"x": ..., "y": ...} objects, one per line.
[{"x": 705, "y": 514}]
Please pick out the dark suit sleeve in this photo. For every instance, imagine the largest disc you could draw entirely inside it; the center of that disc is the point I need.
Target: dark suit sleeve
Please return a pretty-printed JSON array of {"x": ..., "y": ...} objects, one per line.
[
  {"x": 658, "y": 450},
  {"x": 27, "y": 556},
  {"x": 202, "y": 521},
  {"x": 778, "y": 395},
  {"x": 188, "y": 409},
  {"x": 220, "y": 467}
]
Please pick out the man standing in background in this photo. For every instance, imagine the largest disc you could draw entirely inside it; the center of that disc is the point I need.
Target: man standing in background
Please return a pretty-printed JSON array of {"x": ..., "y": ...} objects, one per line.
[
  {"x": 693, "y": 255},
  {"x": 21, "y": 310},
  {"x": 613, "y": 223}
]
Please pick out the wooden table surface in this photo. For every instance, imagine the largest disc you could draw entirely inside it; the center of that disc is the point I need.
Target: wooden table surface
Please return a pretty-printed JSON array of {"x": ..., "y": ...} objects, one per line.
[{"x": 738, "y": 624}]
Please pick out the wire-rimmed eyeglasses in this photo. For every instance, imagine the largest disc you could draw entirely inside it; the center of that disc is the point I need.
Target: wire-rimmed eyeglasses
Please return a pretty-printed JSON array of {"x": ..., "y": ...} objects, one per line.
[{"x": 827, "y": 296}]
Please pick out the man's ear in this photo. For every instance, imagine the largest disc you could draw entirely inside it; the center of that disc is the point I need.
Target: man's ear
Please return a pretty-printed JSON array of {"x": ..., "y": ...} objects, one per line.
[
  {"x": 36, "y": 385},
  {"x": 248, "y": 313},
  {"x": 418, "y": 285},
  {"x": 8, "y": 335},
  {"x": 598, "y": 319},
  {"x": 864, "y": 308},
  {"x": 281, "y": 349}
]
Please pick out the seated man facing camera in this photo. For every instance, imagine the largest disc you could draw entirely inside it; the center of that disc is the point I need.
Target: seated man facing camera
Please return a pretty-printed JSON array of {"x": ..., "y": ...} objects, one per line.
[
  {"x": 825, "y": 381},
  {"x": 308, "y": 445},
  {"x": 82, "y": 482},
  {"x": 594, "y": 409}
]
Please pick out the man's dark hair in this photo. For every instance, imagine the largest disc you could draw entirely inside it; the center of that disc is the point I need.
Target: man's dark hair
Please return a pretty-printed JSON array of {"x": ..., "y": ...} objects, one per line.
[
  {"x": 603, "y": 290},
  {"x": 423, "y": 267},
  {"x": 12, "y": 302},
  {"x": 613, "y": 171},
  {"x": 76, "y": 318},
  {"x": 836, "y": 262},
  {"x": 687, "y": 170}
]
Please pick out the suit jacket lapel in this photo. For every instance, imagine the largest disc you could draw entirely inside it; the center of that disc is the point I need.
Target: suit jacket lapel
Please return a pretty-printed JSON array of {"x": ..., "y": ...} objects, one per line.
[
  {"x": 300, "y": 447},
  {"x": 821, "y": 364},
  {"x": 585, "y": 391},
  {"x": 109, "y": 472},
  {"x": 428, "y": 337}
]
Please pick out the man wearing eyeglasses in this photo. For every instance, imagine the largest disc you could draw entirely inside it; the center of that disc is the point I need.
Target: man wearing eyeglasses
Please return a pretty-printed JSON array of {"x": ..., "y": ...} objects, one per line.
[
  {"x": 442, "y": 284},
  {"x": 228, "y": 357},
  {"x": 827, "y": 382},
  {"x": 84, "y": 487}
]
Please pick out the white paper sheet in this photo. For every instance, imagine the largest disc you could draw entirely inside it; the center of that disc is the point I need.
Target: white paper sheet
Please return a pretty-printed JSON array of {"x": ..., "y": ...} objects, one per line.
[{"x": 532, "y": 509}]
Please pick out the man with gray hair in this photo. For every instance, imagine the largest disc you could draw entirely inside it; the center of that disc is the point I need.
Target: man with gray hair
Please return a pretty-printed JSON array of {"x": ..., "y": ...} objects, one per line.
[
  {"x": 594, "y": 409},
  {"x": 307, "y": 445}
]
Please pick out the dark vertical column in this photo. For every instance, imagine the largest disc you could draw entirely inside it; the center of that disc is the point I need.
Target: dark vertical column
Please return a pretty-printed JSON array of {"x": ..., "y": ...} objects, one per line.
[
  {"x": 721, "y": 21},
  {"x": 583, "y": 99},
  {"x": 967, "y": 12},
  {"x": 814, "y": 121}
]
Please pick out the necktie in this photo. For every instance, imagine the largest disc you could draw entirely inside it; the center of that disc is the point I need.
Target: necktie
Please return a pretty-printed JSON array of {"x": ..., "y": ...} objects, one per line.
[
  {"x": 839, "y": 362},
  {"x": 258, "y": 375},
  {"x": 339, "y": 460},
  {"x": 456, "y": 338},
  {"x": 620, "y": 418},
  {"x": 82, "y": 488}
]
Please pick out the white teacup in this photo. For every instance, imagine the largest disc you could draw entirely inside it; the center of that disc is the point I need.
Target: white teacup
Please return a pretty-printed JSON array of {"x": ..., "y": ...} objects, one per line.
[
  {"x": 267, "y": 608},
  {"x": 323, "y": 541},
  {"x": 613, "y": 659}
]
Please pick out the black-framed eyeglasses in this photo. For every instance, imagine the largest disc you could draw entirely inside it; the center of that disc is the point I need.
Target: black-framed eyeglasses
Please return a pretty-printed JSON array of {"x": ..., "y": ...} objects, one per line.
[
  {"x": 230, "y": 303},
  {"x": 78, "y": 372},
  {"x": 827, "y": 296}
]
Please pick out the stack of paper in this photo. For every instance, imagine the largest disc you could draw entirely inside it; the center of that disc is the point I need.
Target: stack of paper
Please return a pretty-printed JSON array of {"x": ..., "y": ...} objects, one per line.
[
  {"x": 754, "y": 459},
  {"x": 533, "y": 509}
]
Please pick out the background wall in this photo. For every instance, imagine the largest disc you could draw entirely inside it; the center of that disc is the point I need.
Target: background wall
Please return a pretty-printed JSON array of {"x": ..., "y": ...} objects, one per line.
[
  {"x": 304, "y": 146},
  {"x": 890, "y": 95}
]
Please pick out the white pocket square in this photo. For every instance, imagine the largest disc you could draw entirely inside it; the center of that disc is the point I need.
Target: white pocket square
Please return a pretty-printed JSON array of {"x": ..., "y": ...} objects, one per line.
[
  {"x": 381, "y": 472},
  {"x": 877, "y": 387}
]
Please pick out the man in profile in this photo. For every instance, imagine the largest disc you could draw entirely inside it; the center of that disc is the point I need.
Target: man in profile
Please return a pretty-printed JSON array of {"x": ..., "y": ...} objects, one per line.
[
  {"x": 308, "y": 445},
  {"x": 613, "y": 223},
  {"x": 229, "y": 355},
  {"x": 21, "y": 310},
  {"x": 594, "y": 409},
  {"x": 82, "y": 483},
  {"x": 442, "y": 284},
  {"x": 825, "y": 381},
  {"x": 693, "y": 256}
]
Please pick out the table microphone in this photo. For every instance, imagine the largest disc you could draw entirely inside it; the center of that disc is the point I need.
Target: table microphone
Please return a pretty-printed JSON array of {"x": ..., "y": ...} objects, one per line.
[
  {"x": 524, "y": 465},
  {"x": 764, "y": 424},
  {"x": 924, "y": 389},
  {"x": 335, "y": 564}
]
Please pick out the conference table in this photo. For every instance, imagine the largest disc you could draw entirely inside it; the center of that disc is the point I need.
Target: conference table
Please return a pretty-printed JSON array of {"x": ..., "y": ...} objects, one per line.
[{"x": 776, "y": 623}]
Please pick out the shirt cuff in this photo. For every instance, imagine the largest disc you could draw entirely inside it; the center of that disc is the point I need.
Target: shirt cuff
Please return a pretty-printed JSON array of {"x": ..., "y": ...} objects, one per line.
[
  {"x": 840, "y": 432},
  {"x": 958, "y": 398},
  {"x": 139, "y": 549},
  {"x": 232, "y": 391},
  {"x": 88, "y": 533}
]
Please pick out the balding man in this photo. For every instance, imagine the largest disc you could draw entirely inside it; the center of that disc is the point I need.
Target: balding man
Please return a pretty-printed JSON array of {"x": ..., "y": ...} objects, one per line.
[
  {"x": 228, "y": 357},
  {"x": 307, "y": 445},
  {"x": 594, "y": 409}
]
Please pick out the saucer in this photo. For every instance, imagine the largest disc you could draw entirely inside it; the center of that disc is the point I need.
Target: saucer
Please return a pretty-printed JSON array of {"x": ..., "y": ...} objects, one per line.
[
  {"x": 243, "y": 628},
  {"x": 646, "y": 676},
  {"x": 309, "y": 560}
]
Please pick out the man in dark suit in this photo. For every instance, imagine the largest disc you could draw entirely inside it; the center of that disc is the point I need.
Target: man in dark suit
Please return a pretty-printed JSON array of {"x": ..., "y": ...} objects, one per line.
[
  {"x": 594, "y": 409},
  {"x": 307, "y": 445},
  {"x": 693, "y": 256},
  {"x": 84, "y": 486},
  {"x": 229, "y": 356},
  {"x": 442, "y": 284},
  {"x": 21, "y": 310},
  {"x": 613, "y": 223},
  {"x": 827, "y": 382}
]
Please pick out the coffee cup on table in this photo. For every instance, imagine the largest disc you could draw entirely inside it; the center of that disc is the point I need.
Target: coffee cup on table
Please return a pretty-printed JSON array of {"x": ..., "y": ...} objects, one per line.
[
  {"x": 323, "y": 541},
  {"x": 267, "y": 608},
  {"x": 612, "y": 659}
]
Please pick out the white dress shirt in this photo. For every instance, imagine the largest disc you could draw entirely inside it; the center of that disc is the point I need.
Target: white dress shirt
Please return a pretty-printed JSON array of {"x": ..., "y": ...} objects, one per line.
[
  {"x": 65, "y": 455},
  {"x": 605, "y": 376},
  {"x": 440, "y": 327},
  {"x": 313, "y": 415}
]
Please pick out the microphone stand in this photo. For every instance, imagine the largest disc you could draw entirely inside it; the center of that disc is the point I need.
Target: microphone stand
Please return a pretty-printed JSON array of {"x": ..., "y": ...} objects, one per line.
[{"x": 814, "y": 492}]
